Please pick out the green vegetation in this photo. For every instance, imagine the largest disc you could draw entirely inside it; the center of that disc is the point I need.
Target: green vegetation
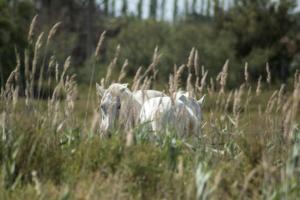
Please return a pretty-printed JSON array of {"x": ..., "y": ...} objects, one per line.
[{"x": 51, "y": 146}]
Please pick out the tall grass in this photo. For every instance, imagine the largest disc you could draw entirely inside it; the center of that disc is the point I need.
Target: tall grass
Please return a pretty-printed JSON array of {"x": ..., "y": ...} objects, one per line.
[{"x": 51, "y": 148}]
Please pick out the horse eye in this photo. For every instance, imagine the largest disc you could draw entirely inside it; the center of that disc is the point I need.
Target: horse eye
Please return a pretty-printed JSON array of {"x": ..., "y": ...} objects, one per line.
[{"x": 102, "y": 108}]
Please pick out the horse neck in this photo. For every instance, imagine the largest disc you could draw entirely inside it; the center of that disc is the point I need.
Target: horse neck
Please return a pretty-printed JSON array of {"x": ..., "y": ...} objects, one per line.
[
  {"x": 130, "y": 109},
  {"x": 130, "y": 104}
]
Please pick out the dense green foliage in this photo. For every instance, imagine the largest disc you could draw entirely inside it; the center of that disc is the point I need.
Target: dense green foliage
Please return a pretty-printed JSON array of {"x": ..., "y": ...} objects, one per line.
[{"x": 14, "y": 22}]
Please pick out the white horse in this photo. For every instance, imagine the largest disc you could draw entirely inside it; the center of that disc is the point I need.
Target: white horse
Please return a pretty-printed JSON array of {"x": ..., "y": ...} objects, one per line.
[
  {"x": 191, "y": 102},
  {"x": 181, "y": 114},
  {"x": 120, "y": 106}
]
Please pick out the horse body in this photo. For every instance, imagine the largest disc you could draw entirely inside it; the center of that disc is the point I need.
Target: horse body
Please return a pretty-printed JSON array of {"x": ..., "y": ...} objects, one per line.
[
  {"x": 121, "y": 108},
  {"x": 165, "y": 113}
]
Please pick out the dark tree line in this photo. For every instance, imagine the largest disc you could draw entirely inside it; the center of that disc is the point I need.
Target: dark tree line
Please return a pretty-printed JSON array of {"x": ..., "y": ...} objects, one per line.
[{"x": 260, "y": 30}]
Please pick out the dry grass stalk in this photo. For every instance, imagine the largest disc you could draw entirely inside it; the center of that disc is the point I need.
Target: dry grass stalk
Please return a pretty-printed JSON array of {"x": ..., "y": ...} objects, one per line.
[
  {"x": 246, "y": 73},
  {"x": 95, "y": 121},
  {"x": 27, "y": 77},
  {"x": 218, "y": 101},
  {"x": 172, "y": 89},
  {"x": 259, "y": 110},
  {"x": 137, "y": 79},
  {"x": 56, "y": 72},
  {"x": 296, "y": 75},
  {"x": 296, "y": 100},
  {"x": 280, "y": 97},
  {"x": 38, "y": 45},
  {"x": 291, "y": 109},
  {"x": 249, "y": 98},
  {"x": 99, "y": 44},
  {"x": 287, "y": 105},
  {"x": 202, "y": 70},
  {"x": 66, "y": 67},
  {"x": 52, "y": 32},
  {"x": 156, "y": 56},
  {"x": 3, "y": 123},
  {"x": 228, "y": 100},
  {"x": 70, "y": 87},
  {"x": 211, "y": 87},
  {"x": 37, "y": 184},
  {"x": 152, "y": 66},
  {"x": 191, "y": 60},
  {"x": 190, "y": 64},
  {"x": 180, "y": 168},
  {"x": 123, "y": 71},
  {"x": 10, "y": 81},
  {"x": 196, "y": 63},
  {"x": 203, "y": 83},
  {"x": 146, "y": 83},
  {"x": 51, "y": 66},
  {"x": 189, "y": 86},
  {"x": 271, "y": 102},
  {"x": 15, "y": 97},
  {"x": 71, "y": 95},
  {"x": 129, "y": 138},
  {"x": 177, "y": 76},
  {"x": 287, "y": 123},
  {"x": 27, "y": 64},
  {"x": 222, "y": 77},
  {"x": 9, "y": 90},
  {"x": 112, "y": 66},
  {"x": 197, "y": 84},
  {"x": 17, "y": 82},
  {"x": 237, "y": 102},
  {"x": 268, "y": 73},
  {"x": 61, "y": 82},
  {"x": 31, "y": 29},
  {"x": 258, "y": 88},
  {"x": 174, "y": 69},
  {"x": 102, "y": 82}
]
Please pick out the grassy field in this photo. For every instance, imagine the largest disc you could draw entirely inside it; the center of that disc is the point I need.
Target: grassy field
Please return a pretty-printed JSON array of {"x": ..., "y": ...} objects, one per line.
[{"x": 52, "y": 149}]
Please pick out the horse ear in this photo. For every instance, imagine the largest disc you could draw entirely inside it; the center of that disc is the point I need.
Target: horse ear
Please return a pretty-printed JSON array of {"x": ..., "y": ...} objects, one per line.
[
  {"x": 124, "y": 87},
  {"x": 200, "y": 101},
  {"x": 100, "y": 90}
]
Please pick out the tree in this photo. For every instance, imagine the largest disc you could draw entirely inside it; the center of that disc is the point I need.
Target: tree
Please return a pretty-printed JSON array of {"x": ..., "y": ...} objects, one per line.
[
  {"x": 14, "y": 21},
  {"x": 208, "y": 7},
  {"x": 124, "y": 9},
  {"x": 261, "y": 26},
  {"x": 163, "y": 9},
  {"x": 153, "y": 9},
  {"x": 186, "y": 8},
  {"x": 194, "y": 4},
  {"x": 202, "y": 7},
  {"x": 113, "y": 8},
  {"x": 140, "y": 8},
  {"x": 106, "y": 6},
  {"x": 175, "y": 11}
]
